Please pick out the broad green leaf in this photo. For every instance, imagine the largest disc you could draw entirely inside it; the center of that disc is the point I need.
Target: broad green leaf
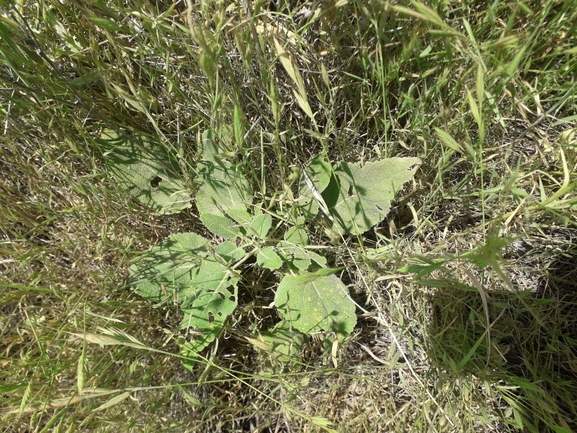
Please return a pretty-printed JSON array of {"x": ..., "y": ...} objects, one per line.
[
  {"x": 359, "y": 197},
  {"x": 296, "y": 235},
  {"x": 207, "y": 309},
  {"x": 153, "y": 291},
  {"x": 312, "y": 304},
  {"x": 319, "y": 173},
  {"x": 229, "y": 252},
  {"x": 209, "y": 276},
  {"x": 261, "y": 224},
  {"x": 184, "y": 269},
  {"x": 192, "y": 348},
  {"x": 159, "y": 274},
  {"x": 240, "y": 215},
  {"x": 222, "y": 188},
  {"x": 298, "y": 256},
  {"x": 143, "y": 167},
  {"x": 268, "y": 258},
  {"x": 220, "y": 225}
]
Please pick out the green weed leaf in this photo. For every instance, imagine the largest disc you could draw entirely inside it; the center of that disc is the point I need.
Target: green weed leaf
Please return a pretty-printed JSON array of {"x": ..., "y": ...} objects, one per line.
[
  {"x": 261, "y": 224},
  {"x": 222, "y": 189},
  {"x": 209, "y": 276},
  {"x": 207, "y": 304},
  {"x": 268, "y": 258},
  {"x": 312, "y": 304},
  {"x": 359, "y": 197},
  {"x": 296, "y": 235},
  {"x": 145, "y": 170},
  {"x": 229, "y": 252},
  {"x": 220, "y": 225},
  {"x": 186, "y": 270},
  {"x": 298, "y": 256},
  {"x": 160, "y": 273}
]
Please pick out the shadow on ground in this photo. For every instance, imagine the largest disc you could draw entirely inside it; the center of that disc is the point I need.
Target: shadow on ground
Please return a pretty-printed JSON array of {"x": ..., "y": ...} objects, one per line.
[{"x": 532, "y": 361}]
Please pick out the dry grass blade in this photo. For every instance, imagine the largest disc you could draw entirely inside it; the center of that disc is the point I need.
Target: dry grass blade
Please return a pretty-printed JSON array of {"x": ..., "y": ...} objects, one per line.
[
  {"x": 110, "y": 337},
  {"x": 65, "y": 402},
  {"x": 291, "y": 68},
  {"x": 112, "y": 402}
]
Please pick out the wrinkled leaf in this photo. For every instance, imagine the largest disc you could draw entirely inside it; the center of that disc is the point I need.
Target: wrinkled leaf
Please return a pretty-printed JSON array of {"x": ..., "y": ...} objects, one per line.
[
  {"x": 268, "y": 258},
  {"x": 144, "y": 169},
  {"x": 360, "y": 197},
  {"x": 222, "y": 188},
  {"x": 312, "y": 304}
]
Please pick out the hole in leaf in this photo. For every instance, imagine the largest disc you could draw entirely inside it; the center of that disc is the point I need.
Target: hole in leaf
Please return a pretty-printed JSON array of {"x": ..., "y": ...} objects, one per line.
[
  {"x": 231, "y": 298},
  {"x": 351, "y": 190},
  {"x": 210, "y": 317},
  {"x": 155, "y": 182}
]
